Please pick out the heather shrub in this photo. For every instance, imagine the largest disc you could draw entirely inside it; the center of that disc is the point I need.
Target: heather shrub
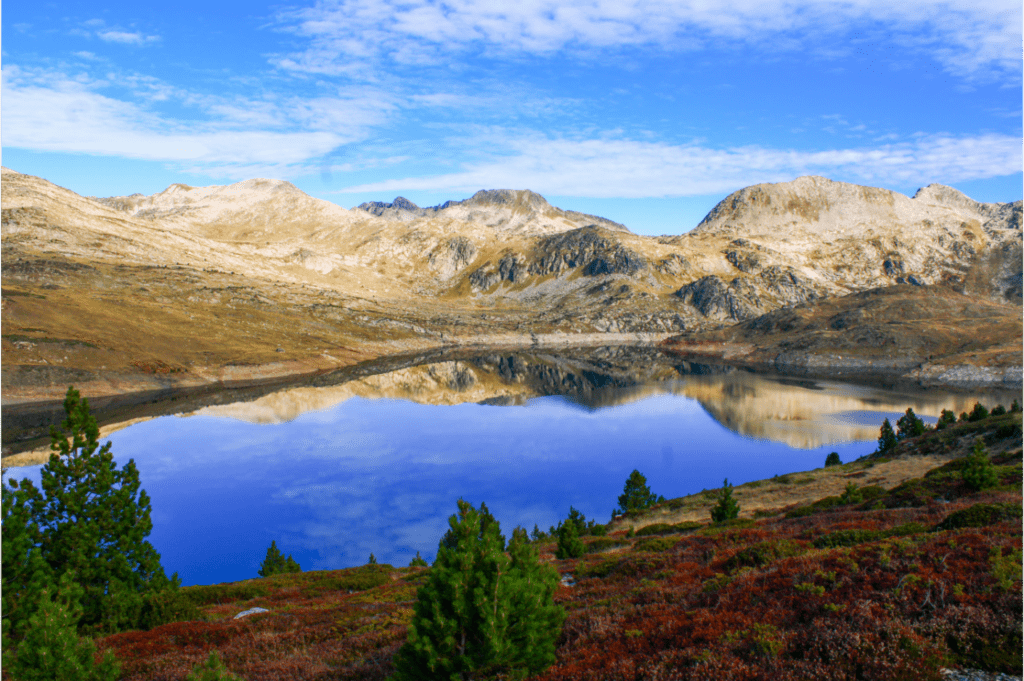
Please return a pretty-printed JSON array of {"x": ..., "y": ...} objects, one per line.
[
  {"x": 212, "y": 669},
  {"x": 603, "y": 544},
  {"x": 169, "y": 605},
  {"x": 368, "y": 576},
  {"x": 763, "y": 553},
  {"x": 847, "y": 538},
  {"x": 216, "y": 594},
  {"x": 654, "y": 544},
  {"x": 656, "y": 528},
  {"x": 600, "y": 570},
  {"x": 980, "y": 515}
]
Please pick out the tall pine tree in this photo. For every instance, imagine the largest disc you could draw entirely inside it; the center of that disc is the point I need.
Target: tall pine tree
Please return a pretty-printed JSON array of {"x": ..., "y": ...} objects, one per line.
[
  {"x": 87, "y": 518},
  {"x": 481, "y": 612}
]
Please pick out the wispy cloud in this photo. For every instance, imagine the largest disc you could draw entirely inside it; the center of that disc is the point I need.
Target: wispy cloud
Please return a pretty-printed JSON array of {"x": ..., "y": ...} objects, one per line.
[
  {"x": 236, "y": 138},
  {"x": 972, "y": 40},
  {"x": 630, "y": 169},
  {"x": 126, "y": 38}
]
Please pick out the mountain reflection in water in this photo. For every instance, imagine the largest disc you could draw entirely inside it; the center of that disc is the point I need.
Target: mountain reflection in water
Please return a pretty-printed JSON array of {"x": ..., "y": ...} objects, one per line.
[
  {"x": 333, "y": 473},
  {"x": 800, "y": 413}
]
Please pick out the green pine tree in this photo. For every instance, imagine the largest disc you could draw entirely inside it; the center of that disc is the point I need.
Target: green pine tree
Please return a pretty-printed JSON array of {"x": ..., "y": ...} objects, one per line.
[
  {"x": 273, "y": 563},
  {"x": 1014, "y": 406},
  {"x": 51, "y": 647},
  {"x": 727, "y": 508},
  {"x": 978, "y": 472},
  {"x": 979, "y": 413},
  {"x": 212, "y": 669},
  {"x": 833, "y": 460},
  {"x": 418, "y": 561},
  {"x": 887, "y": 438},
  {"x": 946, "y": 419},
  {"x": 88, "y": 518},
  {"x": 909, "y": 425},
  {"x": 481, "y": 613},
  {"x": 636, "y": 495},
  {"x": 276, "y": 564},
  {"x": 372, "y": 560},
  {"x": 569, "y": 543}
]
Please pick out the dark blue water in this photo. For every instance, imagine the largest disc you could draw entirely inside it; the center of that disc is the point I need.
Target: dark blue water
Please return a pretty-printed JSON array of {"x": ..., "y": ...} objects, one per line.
[{"x": 382, "y": 476}]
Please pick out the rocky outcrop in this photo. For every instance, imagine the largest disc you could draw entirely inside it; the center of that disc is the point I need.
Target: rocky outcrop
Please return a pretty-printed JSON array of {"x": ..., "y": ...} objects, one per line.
[
  {"x": 452, "y": 256},
  {"x": 714, "y": 299},
  {"x": 590, "y": 248}
]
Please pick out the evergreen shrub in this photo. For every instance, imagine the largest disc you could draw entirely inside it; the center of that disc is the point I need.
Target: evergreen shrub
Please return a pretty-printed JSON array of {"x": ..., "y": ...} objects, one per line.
[
  {"x": 727, "y": 508},
  {"x": 978, "y": 471},
  {"x": 482, "y": 613}
]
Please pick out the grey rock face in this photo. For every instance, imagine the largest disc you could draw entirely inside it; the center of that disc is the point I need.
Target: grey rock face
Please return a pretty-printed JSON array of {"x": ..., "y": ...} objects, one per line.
[
  {"x": 744, "y": 261},
  {"x": 587, "y": 247},
  {"x": 673, "y": 265},
  {"x": 484, "y": 278},
  {"x": 452, "y": 256},
  {"x": 378, "y": 207},
  {"x": 784, "y": 283},
  {"x": 714, "y": 299}
]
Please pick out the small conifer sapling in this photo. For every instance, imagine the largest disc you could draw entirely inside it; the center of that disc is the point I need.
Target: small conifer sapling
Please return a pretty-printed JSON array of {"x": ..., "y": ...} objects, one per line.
[
  {"x": 978, "y": 472},
  {"x": 727, "y": 508}
]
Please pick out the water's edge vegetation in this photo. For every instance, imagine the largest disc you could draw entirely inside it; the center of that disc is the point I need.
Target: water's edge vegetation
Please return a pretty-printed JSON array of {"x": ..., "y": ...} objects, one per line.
[{"x": 871, "y": 583}]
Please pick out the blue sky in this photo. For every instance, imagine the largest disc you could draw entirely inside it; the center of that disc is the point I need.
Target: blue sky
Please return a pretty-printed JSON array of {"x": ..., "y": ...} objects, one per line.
[{"x": 645, "y": 112}]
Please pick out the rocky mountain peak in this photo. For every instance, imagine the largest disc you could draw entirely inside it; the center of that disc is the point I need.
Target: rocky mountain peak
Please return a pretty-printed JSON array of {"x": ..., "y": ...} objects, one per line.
[
  {"x": 944, "y": 196},
  {"x": 510, "y": 198}
]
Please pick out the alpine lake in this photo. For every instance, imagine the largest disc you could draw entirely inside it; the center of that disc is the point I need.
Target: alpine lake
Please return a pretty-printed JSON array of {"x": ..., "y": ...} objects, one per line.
[{"x": 372, "y": 459}]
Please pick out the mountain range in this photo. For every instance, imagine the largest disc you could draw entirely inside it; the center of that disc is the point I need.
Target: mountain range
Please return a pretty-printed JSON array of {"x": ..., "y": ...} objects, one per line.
[{"x": 257, "y": 280}]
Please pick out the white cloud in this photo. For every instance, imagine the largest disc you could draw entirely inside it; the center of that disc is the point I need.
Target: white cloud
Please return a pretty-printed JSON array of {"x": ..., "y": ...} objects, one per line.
[
  {"x": 238, "y": 138},
  {"x": 630, "y": 169},
  {"x": 970, "y": 39},
  {"x": 126, "y": 38}
]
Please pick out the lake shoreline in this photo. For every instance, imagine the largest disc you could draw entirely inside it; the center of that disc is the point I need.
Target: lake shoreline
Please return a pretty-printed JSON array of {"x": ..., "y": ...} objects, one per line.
[{"x": 30, "y": 406}]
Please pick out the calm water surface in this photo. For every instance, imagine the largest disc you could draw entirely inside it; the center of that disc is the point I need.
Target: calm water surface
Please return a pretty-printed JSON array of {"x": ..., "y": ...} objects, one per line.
[{"x": 376, "y": 465}]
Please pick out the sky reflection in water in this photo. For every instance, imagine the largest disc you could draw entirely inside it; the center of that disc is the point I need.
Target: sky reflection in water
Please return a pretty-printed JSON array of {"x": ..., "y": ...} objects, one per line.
[
  {"x": 335, "y": 473},
  {"x": 382, "y": 476}
]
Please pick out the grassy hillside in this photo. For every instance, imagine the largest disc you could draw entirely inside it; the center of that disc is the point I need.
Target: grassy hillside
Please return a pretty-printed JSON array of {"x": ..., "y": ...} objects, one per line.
[{"x": 909, "y": 579}]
